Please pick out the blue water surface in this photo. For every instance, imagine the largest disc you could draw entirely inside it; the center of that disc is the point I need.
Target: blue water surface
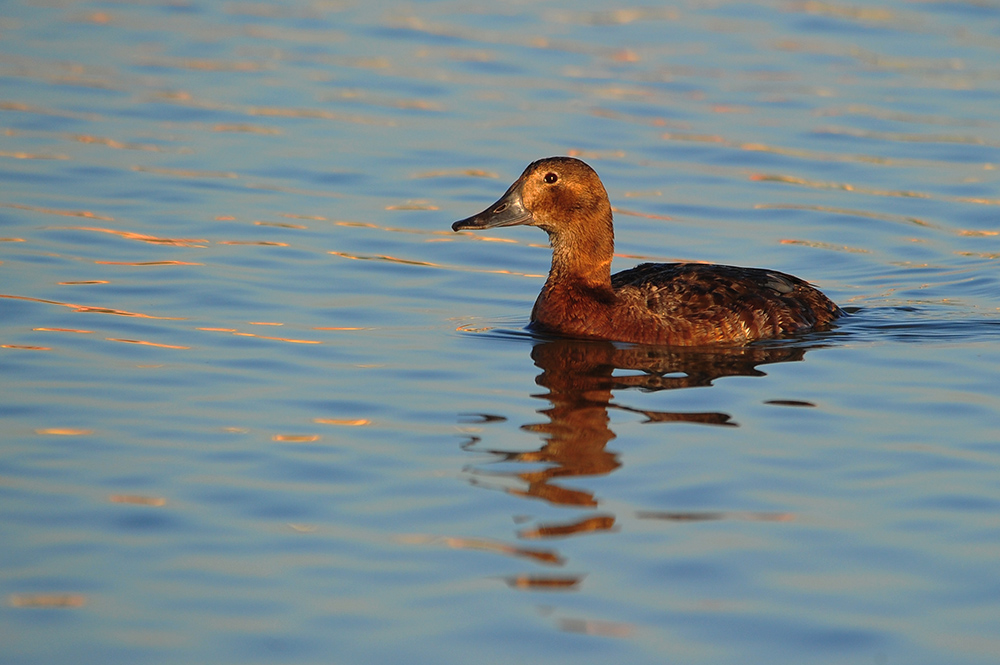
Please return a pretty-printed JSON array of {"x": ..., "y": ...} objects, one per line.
[{"x": 261, "y": 405}]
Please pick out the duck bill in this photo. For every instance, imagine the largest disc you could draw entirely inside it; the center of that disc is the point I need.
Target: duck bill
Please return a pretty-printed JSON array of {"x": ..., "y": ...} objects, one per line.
[{"x": 508, "y": 211}]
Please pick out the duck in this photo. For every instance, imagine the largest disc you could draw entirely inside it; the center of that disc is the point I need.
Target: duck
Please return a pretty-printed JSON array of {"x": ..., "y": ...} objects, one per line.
[{"x": 673, "y": 304}]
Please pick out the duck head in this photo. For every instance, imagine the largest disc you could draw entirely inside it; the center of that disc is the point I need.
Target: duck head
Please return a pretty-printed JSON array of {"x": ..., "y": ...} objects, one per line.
[
  {"x": 565, "y": 198},
  {"x": 561, "y": 195}
]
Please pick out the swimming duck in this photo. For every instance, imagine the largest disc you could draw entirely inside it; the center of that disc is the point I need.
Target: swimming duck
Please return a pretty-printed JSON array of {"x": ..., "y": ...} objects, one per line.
[{"x": 684, "y": 304}]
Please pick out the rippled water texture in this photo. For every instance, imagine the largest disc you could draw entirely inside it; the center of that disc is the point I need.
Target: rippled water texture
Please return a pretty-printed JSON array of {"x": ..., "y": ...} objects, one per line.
[{"x": 260, "y": 404}]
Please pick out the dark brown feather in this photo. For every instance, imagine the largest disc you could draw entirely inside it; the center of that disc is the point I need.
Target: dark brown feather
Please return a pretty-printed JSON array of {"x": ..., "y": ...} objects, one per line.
[{"x": 697, "y": 303}]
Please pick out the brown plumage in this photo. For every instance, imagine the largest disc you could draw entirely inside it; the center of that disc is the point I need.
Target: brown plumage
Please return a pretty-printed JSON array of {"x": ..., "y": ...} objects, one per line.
[{"x": 682, "y": 304}]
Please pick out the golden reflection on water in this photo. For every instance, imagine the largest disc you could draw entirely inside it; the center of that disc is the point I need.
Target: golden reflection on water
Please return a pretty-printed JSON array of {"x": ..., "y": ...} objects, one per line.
[
  {"x": 136, "y": 264},
  {"x": 238, "y": 333},
  {"x": 30, "y": 155},
  {"x": 635, "y": 213},
  {"x": 450, "y": 173},
  {"x": 385, "y": 257},
  {"x": 143, "y": 342},
  {"x": 413, "y": 205},
  {"x": 206, "y": 65},
  {"x": 341, "y": 328},
  {"x": 281, "y": 225},
  {"x": 143, "y": 237},
  {"x": 65, "y": 431},
  {"x": 41, "y": 110},
  {"x": 428, "y": 264},
  {"x": 861, "y": 14},
  {"x": 321, "y": 114},
  {"x": 123, "y": 145},
  {"x": 345, "y": 422},
  {"x": 384, "y": 101},
  {"x": 53, "y": 211},
  {"x": 92, "y": 309},
  {"x": 138, "y": 500},
  {"x": 245, "y": 128},
  {"x": 185, "y": 173},
  {"x": 69, "y": 330},
  {"x": 259, "y": 243},
  {"x": 302, "y": 528},
  {"x": 48, "y": 600},
  {"x": 296, "y": 438},
  {"x": 825, "y": 245}
]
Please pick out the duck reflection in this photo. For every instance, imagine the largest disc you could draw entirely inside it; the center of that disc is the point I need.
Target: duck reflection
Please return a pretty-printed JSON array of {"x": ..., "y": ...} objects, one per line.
[{"x": 582, "y": 377}]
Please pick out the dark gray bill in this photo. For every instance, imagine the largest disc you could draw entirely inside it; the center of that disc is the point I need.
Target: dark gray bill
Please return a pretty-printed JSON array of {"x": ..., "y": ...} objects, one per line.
[{"x": 508, "y": 211}]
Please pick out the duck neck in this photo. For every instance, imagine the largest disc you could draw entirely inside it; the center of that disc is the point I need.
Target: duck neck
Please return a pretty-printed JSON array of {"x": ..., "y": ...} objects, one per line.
[{"x": 582, "y": 258}]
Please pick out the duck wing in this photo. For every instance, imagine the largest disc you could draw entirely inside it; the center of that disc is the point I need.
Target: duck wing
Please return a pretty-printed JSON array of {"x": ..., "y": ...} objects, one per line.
[{"x": 724, "y": 302}]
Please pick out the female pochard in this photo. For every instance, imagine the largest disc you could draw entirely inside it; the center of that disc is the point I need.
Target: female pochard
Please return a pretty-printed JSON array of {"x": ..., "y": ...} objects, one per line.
[{"x": 654, "y": 303}]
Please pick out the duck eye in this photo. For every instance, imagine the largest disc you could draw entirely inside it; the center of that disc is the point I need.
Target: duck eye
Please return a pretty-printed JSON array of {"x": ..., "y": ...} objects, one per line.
[{"x": 551, "y": 178}]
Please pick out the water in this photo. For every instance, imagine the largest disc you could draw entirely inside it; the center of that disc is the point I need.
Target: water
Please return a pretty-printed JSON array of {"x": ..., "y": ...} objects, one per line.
[{"x": 260, "y": 404}]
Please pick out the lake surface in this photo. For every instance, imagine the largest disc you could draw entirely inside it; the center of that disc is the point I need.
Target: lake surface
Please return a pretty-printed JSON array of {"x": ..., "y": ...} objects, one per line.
[{"x": 261, "y": 405}]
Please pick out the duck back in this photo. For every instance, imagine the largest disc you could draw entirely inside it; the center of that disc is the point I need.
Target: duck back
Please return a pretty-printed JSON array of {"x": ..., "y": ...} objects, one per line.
[{"x": 694, "y": 303}]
